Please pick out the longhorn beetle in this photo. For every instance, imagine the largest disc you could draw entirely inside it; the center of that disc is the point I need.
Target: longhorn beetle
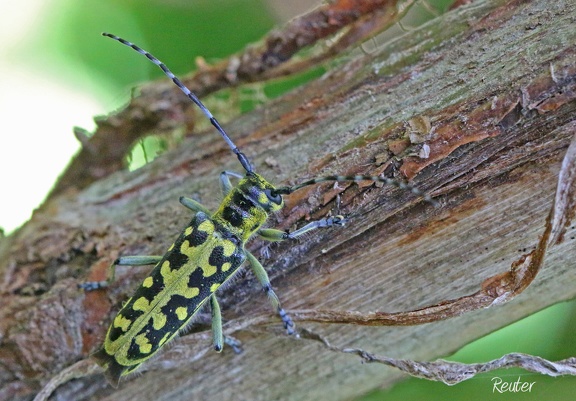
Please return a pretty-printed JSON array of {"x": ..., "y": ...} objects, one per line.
[{"x": 206, "y": 255}]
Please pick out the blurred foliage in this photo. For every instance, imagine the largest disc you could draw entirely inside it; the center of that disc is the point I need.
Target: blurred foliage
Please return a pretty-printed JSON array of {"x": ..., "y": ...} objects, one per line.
[{"x": 176, "y": 32}]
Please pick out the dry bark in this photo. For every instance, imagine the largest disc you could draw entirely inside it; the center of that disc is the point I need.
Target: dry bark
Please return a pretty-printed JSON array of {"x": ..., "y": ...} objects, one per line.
[{"x": 477, "y": 107}]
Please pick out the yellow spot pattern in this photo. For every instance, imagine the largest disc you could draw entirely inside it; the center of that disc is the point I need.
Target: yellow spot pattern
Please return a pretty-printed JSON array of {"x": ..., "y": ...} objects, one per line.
[
  {"x": 262, "y": 198},
  {"x": 148, "y": 281},
  {"x": 229, "y": 248},
  {"x": 186, "y": 249},
  {"x": 158, "y": 321},
  {"x": 143, "y": 343},
  {"x": 171, "y": 247},
  {"x": 141, "y": 304},
  {"x": 182, "y": 313},
  {"x": 185, "y": 291},
  {"x": 188, "y": 230},
  {"x": 214, "y": 287},
  {"x": 226, "y": 266},
  {"x": 165, "y": 269},
  {"x": 207, "y": 226},
  {"x": 208, "y": 269},
  {"x": 122, "y": 322}
]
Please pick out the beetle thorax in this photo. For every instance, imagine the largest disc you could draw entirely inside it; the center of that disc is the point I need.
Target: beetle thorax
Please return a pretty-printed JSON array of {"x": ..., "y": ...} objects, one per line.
[{"x": 247, "y": 206}]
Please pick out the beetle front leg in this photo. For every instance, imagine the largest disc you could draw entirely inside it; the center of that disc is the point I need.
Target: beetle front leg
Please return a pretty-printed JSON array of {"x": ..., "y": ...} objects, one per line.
[{"x": 271, "y": 234}]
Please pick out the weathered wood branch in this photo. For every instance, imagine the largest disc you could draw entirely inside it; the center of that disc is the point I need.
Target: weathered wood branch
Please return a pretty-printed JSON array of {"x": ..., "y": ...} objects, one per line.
[{"x": 477, "y": 107}]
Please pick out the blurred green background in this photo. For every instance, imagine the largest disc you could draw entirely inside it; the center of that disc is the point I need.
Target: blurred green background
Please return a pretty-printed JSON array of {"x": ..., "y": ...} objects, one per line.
[{"x": 55, "y": 66}]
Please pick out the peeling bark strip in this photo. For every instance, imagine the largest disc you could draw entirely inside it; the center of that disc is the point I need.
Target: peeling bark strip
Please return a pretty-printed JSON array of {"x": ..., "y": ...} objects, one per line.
[
  {"x": 452, "y": 373},
  {"x": 370, "y": 114},
  {"x": 105, "y": 151},
  {"x": 550, "y": 89},
  {"x": 565, "y": 200}
]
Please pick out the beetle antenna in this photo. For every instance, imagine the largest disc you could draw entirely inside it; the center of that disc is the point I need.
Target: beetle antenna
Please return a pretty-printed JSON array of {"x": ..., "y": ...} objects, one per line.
[{"x": 241, "y": 156}]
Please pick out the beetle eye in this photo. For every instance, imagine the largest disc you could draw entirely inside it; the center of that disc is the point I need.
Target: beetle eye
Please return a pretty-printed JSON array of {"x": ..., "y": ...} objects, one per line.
[{"x": 273, "y": 196}]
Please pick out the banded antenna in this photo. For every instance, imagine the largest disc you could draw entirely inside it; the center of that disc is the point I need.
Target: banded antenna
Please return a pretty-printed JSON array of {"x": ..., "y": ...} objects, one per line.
[{"x": 241, "y": 156}]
